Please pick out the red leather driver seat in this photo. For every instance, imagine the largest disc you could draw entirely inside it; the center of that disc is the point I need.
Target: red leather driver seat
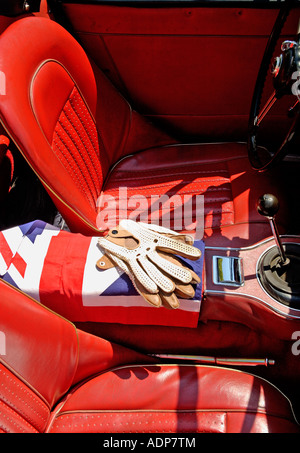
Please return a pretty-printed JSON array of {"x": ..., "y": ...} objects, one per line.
[
  {"x": 55, "y": 378},
  {"x": 83, "y": 140}
]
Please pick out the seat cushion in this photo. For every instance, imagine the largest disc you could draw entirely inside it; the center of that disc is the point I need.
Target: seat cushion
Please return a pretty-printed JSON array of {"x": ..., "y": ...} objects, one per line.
[
  {"x": 220, "y": 172},
  {"x": 170, "y": 398}
]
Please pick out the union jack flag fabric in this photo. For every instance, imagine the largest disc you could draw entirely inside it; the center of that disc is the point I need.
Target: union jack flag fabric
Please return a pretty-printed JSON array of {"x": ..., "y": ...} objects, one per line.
[{"x": 58, "y": 269}]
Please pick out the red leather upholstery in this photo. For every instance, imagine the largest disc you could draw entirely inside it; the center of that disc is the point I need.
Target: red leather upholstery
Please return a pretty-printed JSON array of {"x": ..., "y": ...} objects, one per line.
[
  {"x": 73, "y": 127},
  {"x": 183, "y": 66},
  {"x": 55, "y": 378},
  {"x": 170, "y": 398},
  {"x": 220, "y": 172}
]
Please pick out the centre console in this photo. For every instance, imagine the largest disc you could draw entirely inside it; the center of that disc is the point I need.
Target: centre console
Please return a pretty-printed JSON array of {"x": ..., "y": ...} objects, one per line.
[{"x": 257, "y": 285}]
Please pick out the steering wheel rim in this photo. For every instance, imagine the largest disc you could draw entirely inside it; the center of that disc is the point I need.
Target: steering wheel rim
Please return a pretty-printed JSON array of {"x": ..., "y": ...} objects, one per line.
[{"x": 253, "y": 125}]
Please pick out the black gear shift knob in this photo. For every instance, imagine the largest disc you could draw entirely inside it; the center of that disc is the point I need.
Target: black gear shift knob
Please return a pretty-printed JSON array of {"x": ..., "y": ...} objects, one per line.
[{"x": 267, "y": 205}]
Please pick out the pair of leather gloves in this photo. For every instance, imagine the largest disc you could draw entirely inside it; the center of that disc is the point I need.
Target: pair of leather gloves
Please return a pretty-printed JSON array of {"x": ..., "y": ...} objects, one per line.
[{"x": 145, "y": 252}]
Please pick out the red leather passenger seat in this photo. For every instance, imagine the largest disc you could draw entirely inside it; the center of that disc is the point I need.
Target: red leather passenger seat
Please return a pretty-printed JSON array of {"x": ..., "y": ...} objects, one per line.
[
  {"x": 220, "y": 172},
  {"x": 84, "y": 141},
  {"x": 55, "y": 378}
]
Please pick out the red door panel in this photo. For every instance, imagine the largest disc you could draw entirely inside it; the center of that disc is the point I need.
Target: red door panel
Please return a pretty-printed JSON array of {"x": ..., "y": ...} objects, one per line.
[{"x": 191, "y": 69}]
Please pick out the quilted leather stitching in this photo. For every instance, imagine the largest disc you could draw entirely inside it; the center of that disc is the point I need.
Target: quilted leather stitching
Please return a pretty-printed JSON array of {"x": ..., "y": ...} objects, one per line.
[
  {"x": 10, "y": 417},
  {"x": 133, "y": 421},
  {"x": 177, "y": 183},
  {"x": 83, "y": 116},
  {"x": 70, "y": 164},
  {"x": 218, "y": 202},
  {"x": 76, "y": 145},
  {"x": 21, "y": 400},
  {"x": 168, "y": 174},
  {"x": 80, "y": 119}
]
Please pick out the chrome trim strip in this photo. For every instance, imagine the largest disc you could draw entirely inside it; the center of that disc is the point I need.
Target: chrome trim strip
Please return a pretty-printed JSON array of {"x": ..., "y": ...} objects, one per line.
[{"x": 254, "y": 246}]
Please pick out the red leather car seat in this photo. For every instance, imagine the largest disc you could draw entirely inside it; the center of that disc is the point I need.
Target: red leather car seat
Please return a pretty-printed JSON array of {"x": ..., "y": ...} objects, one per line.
[
  {"x": 83, "y": 139},
  {"x": 55, "y": 378}
]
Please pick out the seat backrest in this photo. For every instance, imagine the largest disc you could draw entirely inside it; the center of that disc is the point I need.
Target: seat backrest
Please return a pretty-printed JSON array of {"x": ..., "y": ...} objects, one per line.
[
  {"x": 38, "y": 360},
  {"x": 48, "y": 106},
  {"x": 42, "y": 356},
  {"x": 53, "y": 100}
]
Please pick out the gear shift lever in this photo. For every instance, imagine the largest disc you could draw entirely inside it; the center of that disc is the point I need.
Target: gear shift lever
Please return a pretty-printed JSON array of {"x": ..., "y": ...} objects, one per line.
[
  {"x": 278, "y": 269},
  {"x": 267, "y": 206}
]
